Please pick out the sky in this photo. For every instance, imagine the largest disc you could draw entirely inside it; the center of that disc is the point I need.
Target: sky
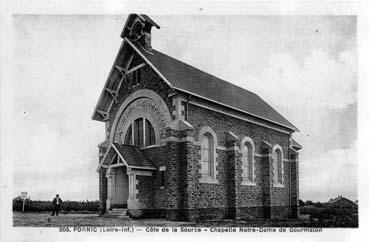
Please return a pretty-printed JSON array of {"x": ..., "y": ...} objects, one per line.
[{"x": 303, "y": 66}]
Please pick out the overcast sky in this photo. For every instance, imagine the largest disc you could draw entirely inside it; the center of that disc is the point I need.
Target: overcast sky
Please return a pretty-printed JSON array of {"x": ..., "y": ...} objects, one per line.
[{"x": 305, "y": 67}]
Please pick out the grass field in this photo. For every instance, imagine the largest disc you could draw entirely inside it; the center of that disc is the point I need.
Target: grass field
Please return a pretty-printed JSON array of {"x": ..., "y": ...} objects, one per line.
[
  {"x": 92, "y": 219},
  {"x": 41, "y": 220}
]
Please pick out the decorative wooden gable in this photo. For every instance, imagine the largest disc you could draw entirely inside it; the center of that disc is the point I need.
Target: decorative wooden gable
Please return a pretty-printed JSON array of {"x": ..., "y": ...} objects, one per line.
[
  {"x": 136, "y": 52},
  {"x": 127, "y": 63}
]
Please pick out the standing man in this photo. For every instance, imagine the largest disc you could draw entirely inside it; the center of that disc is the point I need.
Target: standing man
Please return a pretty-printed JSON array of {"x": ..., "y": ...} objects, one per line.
[{"x": 56, "y": 205}]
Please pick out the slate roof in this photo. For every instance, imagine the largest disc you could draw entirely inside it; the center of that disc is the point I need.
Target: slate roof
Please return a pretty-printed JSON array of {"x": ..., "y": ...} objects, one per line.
[
  {"x": 338, "y": 199},
  {"x": 296, "y": 145},
  {"x": 186, "y": 78},
  {"x": 189, "y": 79},
  {"x": 333, "y": 200},
  {"x": 148, "y": 19},
  {"x": 133, "y": 156}
]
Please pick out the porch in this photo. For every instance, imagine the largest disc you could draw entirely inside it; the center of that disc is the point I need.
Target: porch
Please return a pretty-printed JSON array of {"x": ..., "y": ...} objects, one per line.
[{"x": 123, "y": 163}]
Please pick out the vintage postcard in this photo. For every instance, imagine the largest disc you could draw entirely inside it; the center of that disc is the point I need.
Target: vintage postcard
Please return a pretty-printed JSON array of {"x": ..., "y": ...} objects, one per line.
[{"x": 206, "y": 120}]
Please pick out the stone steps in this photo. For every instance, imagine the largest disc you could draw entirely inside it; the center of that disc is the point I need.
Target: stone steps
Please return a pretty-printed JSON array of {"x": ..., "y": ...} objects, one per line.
[{"x": 117, "y": 213}]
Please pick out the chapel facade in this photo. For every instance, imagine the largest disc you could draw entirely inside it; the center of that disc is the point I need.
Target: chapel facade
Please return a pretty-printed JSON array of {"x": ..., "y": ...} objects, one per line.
[{"x": 185, "y": 145}]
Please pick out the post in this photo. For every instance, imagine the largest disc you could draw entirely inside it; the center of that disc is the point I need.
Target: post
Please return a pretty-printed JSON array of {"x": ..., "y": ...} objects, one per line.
[
  {"x": 24, "y": 201},
  {"x": 132, "y": 202},
  {"x": 24, "y": 197}
]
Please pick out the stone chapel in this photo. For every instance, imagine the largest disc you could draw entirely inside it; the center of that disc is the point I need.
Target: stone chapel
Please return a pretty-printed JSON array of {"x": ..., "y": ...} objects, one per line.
[{"x": 183, "y": 144}]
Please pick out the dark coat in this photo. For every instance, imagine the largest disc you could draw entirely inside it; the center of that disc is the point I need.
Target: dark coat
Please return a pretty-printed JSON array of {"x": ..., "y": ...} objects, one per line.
[{"x": 54, "y": 201}]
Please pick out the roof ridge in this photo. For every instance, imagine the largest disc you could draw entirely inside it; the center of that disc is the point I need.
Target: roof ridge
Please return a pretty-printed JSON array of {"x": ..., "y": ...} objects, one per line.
[
  {"x": 198, "y": 69},
  {"x": 222, "y": 80},
  {"x": 194, "y": 81}
]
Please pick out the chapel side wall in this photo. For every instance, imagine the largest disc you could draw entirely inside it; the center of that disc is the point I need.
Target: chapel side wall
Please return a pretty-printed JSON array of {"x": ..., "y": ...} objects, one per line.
[
  {"x": 248, "y": 199},
  {"x": 280, "y": 196}
]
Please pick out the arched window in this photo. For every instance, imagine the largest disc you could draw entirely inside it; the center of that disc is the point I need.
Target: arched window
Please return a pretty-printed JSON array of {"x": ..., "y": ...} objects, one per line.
[
  {"x": 140, "y": 133},
  {"x": 277, "y": 165},
  {"x": 207, "y": 157},
  {"x": 247, "y": 158},
  {"x": 149, "y": 134},
  {"x": 247, "y": 162},
  {"x": 128, "y": 138}
]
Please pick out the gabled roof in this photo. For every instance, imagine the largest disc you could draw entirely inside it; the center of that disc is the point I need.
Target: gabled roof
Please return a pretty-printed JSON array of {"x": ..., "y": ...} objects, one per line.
[
  {"x": 334, "y": 200},
  {"x": 133, "y": 156},
  {"x": 130, "y": 156},
  {"x": 189, "y": 79}
]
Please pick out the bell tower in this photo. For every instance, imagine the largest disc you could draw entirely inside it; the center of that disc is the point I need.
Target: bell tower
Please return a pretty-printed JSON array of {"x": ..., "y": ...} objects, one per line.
[{"x": 138, "y": 30}]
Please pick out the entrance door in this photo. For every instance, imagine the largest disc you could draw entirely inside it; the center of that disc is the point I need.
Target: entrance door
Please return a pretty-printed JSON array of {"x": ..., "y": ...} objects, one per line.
[{"x": 121, "y": 188}]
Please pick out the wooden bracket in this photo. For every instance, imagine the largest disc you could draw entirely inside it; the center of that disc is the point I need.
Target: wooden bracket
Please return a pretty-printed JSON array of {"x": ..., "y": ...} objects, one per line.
[
  {"x": 113, "y": 93},
  {"x": 104, "y": 114},
  {"x": 122, "y": 70}
]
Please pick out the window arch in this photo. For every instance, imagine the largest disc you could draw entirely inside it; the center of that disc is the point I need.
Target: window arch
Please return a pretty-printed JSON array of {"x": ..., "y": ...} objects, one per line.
[
  {"x": 278, "y": 165},
  {"x": 248, "y": 162},
  {"x": 208, "y": 145},
  {"x": 128, "y": 138},
  {"x": 140, "y": 133},
  {"x": 207, "y": 159}
]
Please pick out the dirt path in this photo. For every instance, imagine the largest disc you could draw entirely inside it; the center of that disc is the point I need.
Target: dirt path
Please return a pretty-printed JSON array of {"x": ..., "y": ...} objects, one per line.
[{"x": 45, "y": 220}]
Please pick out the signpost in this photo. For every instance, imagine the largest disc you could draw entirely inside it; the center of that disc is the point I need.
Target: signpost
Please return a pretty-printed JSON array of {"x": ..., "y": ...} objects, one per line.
[{"x": 24, "y": 197}]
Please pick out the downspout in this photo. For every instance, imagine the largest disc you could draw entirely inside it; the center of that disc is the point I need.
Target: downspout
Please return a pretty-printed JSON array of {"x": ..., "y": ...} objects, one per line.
[
  {"x": 188, "y": 100},
  {"x": 186, "y": 119}
]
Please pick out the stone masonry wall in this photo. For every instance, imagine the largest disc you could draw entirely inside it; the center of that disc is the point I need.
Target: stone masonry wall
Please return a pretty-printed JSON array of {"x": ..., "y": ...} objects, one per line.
[
  {"x": 280, "y": 198},
  {"x": 158, "y": 156},
  {"x": 145, "y": 192},
  {"x": 295, "y": 188},
  {"x": 248, "y": 199},
  {"x": 168, "y": 199},
  {"x": 222, "y": 123}
]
